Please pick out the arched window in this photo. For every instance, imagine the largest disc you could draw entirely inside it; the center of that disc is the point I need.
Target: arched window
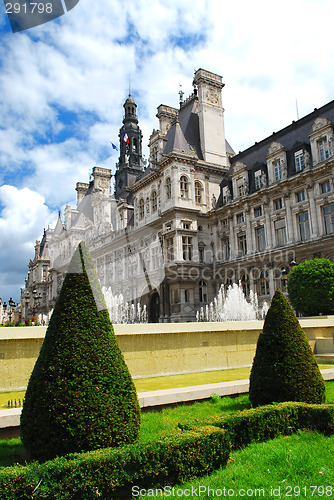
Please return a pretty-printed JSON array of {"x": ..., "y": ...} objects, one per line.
[
  {"x": 168, "y": 188},
  {"x": 141, "y": 208},
  {"x": 147, "y": 205},
  {"x": 184, "y": 185},
  {"x": 203, "y": 291},
  {"x": 134, "y": 145},
  {"x": 245, "y": 284},
  {"x": 198, "y": 192},
  {"x": 154, "y": 200}
]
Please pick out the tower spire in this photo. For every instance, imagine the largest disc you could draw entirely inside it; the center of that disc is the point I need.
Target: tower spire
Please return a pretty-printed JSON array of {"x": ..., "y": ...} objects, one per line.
[{"x": 130, "y": 163}]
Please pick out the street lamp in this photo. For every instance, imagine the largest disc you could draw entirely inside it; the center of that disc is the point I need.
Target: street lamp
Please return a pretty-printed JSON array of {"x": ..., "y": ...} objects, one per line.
[{"x": 11, "y": 304}]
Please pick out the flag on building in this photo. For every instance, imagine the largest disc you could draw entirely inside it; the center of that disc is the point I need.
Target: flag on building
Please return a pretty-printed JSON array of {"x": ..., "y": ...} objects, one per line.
[
  {"x": 113, "y": 146},
  {"x": 126, "y": 139}
]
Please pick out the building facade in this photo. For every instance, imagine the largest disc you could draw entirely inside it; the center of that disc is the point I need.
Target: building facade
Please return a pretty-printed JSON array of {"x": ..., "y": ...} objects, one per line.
[{"x": 198, "y": 216}]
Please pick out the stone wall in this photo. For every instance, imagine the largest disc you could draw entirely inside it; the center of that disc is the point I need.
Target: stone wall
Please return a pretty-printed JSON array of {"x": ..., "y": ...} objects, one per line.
[{"x": 157, "y": 349}]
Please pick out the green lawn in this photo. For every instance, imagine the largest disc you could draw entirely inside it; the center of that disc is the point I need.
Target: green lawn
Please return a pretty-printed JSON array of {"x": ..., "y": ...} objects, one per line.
[
  {"x": 297, "y": 466},
  {"x": 158, "y": 423}
]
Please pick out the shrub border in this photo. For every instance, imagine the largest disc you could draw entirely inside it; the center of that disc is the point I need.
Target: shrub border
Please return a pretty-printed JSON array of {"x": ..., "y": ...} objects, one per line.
[{"x": 188, "y": 453}]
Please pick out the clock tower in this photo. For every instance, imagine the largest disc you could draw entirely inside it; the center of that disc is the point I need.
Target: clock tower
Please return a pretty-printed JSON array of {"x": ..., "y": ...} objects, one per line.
[{"x": 130, "y": 164}]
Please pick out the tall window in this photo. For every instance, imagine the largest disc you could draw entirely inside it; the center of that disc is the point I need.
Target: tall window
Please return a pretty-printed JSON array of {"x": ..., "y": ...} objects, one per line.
[
  {"x": 154, "y": 200},
  {"x": 328, "y": 212},
  {"x": 203, "y": 291},
  {"x": 240, "y": 218},
  {"x": 280, "y": 232},
  {"x": 325, "y": 187},
  {"x": 301, "y": 195},
  {"x": 258, "y": 211},
  {"x": 198, "y": 192},
  {"x": 278, "y": 204},
  {"x": 201, "y": 254},
  {"x": 170, "y": 249},
  {"x": 278, "y": 170},
  {"x": 141, "y": 208},
  {"x": 184, "y": 186},
  {"x": 245, "y": 283},
  {"x": 299, "y": 160},
  {"x": 304, "y": 226},
  {"x": 226, "y": 249},
  {"x": 258, "y": 179},
  {"x": 168, "y": 188},
  {"x": 187, "y": 247},
  {"x": 260, "y": 238},
  {"x": 323, "y": 149},
  {"x": 264, "y": 283},
  {"x": 242, "y": 244}
]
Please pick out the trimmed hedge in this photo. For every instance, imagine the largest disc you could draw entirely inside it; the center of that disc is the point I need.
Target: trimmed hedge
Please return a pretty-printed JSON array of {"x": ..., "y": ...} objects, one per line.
[
  {"x": 284, "y": 367},
  {"x": 80, "y": 395},
  {"x": 311, "y": 287},
  {"x": 110, "y": 473}
]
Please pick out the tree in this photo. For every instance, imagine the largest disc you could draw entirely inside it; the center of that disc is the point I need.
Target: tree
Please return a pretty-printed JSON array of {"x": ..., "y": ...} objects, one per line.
[
  {"x": 80, "y": 395},
  {"x": 284, "y": 367},
  {"x": 311, "y": 287}
]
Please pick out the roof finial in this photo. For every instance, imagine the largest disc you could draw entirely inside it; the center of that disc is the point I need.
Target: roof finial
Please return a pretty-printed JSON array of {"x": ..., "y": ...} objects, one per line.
[
  {"x": 181, "y": 93},
  {"x": 129, "y": 86}
]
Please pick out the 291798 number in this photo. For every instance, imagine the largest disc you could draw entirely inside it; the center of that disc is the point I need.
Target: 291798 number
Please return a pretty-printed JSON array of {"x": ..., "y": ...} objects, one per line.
[
  {"x": 29, "y": 8},
  {"x": 309, "y": 491}
]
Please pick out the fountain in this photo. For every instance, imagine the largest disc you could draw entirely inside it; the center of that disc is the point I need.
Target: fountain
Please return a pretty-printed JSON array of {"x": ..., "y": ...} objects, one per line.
[
  {"x": 121, "y": 311},
  {"x": 232, "y": 306}
]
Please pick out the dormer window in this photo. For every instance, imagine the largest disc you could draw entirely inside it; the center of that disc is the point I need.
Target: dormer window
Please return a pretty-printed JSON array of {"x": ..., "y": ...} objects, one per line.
[
  {"x": 321, "y": 139},
  {"x": 278, "y": 174},
  {"x": 226, "y": 194},
  {"x": 276, "y": 162},
  {"x": 258, "y": 179},
  {"x": 299, "y": 160},
  {"x": 323, "y": 149}
]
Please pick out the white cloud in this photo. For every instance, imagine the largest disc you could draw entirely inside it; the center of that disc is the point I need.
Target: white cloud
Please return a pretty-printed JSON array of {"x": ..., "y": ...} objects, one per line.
[
  {"x": 81, "y": 64},
  {"x": 23, "y": 215}
]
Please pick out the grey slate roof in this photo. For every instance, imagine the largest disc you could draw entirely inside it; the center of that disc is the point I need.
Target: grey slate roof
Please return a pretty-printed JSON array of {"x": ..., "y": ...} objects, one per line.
[{"x": 297, "y": 132}]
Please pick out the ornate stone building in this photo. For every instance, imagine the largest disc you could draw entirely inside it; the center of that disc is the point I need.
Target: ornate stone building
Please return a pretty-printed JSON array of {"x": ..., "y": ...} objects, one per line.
[{"x": 199, "y": 216}]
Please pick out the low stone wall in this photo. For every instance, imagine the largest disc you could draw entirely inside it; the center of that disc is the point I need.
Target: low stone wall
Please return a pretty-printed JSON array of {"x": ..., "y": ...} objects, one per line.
[{"x": 156, "y": 349}]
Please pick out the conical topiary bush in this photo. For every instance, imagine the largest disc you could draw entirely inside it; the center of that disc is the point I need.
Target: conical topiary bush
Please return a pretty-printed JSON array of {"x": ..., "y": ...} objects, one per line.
[
  {"x": 284, "y": 367},
  {"x": 80, "y": 394}
]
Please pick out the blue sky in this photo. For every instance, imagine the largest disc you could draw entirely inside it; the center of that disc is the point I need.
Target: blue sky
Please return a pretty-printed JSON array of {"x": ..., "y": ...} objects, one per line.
[{"x": 63, "y": 84}]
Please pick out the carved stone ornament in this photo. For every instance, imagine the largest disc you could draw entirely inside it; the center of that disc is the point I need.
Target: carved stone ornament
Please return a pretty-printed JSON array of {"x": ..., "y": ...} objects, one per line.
[
  {"x": 212, "y": 96},
  {"x": 239, "y": 166},
  {"x": 275, "y": 146},
  {"x": 320, "y": 123}
]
